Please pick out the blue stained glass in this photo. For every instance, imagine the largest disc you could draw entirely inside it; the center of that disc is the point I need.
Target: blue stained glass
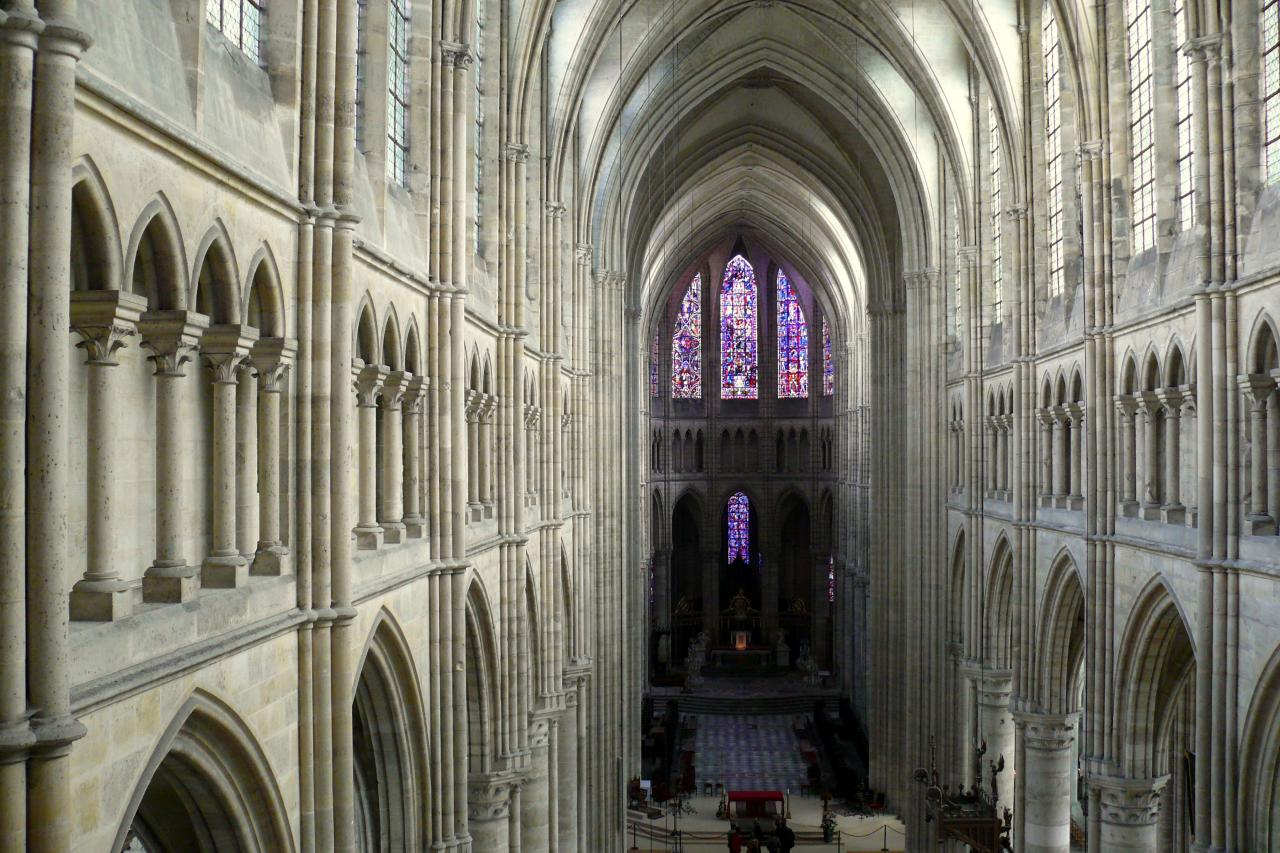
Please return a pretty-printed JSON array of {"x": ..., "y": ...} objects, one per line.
[
  {"x": 739, "y": 528},
  {"x": 828, "y": 366},
  {"x": 738, "y": 357},
  {"x": 686, "y": 345},
  {"x": 653, "y": 367},
  {"x": 793, "y": 342}
]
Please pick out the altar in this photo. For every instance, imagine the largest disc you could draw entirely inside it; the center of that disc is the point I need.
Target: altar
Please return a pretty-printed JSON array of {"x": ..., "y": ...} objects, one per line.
[{"x": 733, "y": 656}]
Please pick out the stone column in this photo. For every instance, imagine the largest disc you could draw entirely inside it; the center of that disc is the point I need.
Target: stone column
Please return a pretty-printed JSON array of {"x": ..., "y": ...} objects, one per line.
[
  {"x": 172, "y": 337},
  {"x": 514, "y": 820},
  {"x": 391, "y": 512},
  {"x": 414, "y": 524},
  {"x": 270, "y": 360},
  {"x": 474, "y": 404},
  {"x": 103, "y": 319},
  {"x": 1075, "y": 489},
  {"x": 1045, "y": 416},
  {"x": 247, "y": 462},
  {"x": 995, "y": 725},
  {"x": 225, "y": 349},
  {"x": 1048, "y": 780},
  {"x": 1261, "y": 520},
  {"x": 1173, "y": 510},
  {"x": 488, "y": 812},
  {"x": 534, "y": 820},
  {"x": 1059, "y": 455},
  {"x": 368, "y": 387},
  {"x": 1126, "y": 406},
  {"x": 1130, "y": 811},
  {"x": 486, "y": 451},
  {"x": 1273, "y": 450},
  {"x": 567, "y": 773},
  {"x": 1149, "y": 405}
]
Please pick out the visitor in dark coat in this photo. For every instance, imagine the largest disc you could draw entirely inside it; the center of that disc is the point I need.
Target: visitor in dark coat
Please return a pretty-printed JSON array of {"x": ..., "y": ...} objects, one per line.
[
  {"x": 786, "y": 838},
  {"x": 735, "y": 839}
]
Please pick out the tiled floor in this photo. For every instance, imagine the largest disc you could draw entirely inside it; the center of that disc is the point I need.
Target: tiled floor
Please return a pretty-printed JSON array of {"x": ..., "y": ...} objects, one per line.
[{"x": 749, "y": 752}]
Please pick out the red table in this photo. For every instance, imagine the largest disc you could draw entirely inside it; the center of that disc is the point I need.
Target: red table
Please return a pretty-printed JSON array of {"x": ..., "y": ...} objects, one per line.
[{"x": 755, "y": 801}]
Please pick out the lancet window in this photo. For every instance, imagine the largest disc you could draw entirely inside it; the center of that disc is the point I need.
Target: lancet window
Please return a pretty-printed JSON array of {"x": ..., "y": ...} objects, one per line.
[
  {"x": 241, "y": 22},
  {"x": 1142, "y": 138},
  {"x": 739, "y": 528},
  {"x": 793, "y": 342},
  {"x": 739, "y": 359},
  {"x": 398, "y": 92},
  {"x": 686, "y": 345},
  {"x": 828, "y": 363}
]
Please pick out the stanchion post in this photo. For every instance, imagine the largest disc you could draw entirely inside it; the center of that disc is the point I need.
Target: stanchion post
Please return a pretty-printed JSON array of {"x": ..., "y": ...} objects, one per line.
[{"x": 884, "y": 843}]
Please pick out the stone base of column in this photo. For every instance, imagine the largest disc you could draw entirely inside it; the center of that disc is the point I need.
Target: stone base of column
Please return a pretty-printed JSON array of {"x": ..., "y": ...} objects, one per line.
[
  {"x": 170, "y": 584},
  {"x": 369, "y": 538},
  {"x": 415, "y": 527},
  {"x": 1075, "y": 502},
  {"x": 393, "y": 532},
  {"x": 1151, "y": 512},
  {"x": 270, "y": 560},
  {"x": 1259, "y": 525},
  {"x": 101, "y": 601},
  {"x": 1173, "y": 513},
  {"x": 224, "y": 571}
]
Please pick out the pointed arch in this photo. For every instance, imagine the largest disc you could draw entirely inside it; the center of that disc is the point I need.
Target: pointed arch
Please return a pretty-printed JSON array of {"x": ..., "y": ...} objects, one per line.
[
  {"x": 264, "y": 306},
  {"x": 739, "y": 331},
  {"x": 208, "y": 787},
  {"x": 95, "y": 232},
  {"x": 959, "y": 610},
  {"x": 999, "y": 606},
  {"x": 1061, "y": 644},
  {"x": 389, "y": 733},
  {"x": 1157, "y": 655},
  {"x": 1151, "y": 373},
  {"x": 156, "y": 258},
  {"x": 413, "y": 348},
  {"x": 367, "y": 347},
  {"x": 1129, "y": 374},
  {"x": 482, "y": 680},
  {"x": 391, "y": 353},
  {"x": 215, "y": 289},
  {"x": 1176, "y": 367},
  {"x": 1264, "y": 345},
  {"x": 1260, "y": 762}
]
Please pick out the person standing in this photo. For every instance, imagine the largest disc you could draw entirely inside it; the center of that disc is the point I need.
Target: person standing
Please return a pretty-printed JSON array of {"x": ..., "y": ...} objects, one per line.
[
  {"x": 735, "y": 839},
  {"x": 786, "y": 838}
]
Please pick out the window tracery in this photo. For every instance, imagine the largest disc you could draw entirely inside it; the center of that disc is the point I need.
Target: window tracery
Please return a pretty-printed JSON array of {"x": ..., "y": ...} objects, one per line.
[
  {"x": 653, "y": 367},
  {"x": 686, "y": 345},
  {"x": 1271, "y": 91},
  {"x": 398, "y": 91},
  {"x": 997, "y": 235},
  {"x": 738, "y": 337},
  {"x": 1053, "y": 148},
  {"x": 1142, "y": 142},
  {"x": 1186, "y": 106},
  {"x": 739, "y": 528},
  {"x": 793, "y": 342},
  {"x": 241, "y": 22},
  {"x": 828, "y": 363}
]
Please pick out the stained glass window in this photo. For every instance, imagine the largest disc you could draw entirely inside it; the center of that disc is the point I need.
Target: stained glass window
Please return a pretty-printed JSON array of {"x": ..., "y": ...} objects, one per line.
[
  {"x": 241, "y": 22},
  {"x": 739, "y": 528},
  {"x": 398, "y": 92},
  {"x": 1053, "y": 148},
  {"x": 831, "y": 579},
  {"x": 738, "y": 357},
  {"x": 793, "y": 342},
  {"x": 1271, "y": 91},
  {"x": 828, "y": 364},
  {"x": 997, "y": 234},
  {"x": 1186, "y": 111},
  {"x": 686, "y": 345},
  {"x": 1142, "y": 135},
  {"x": 653, "y": 366}
]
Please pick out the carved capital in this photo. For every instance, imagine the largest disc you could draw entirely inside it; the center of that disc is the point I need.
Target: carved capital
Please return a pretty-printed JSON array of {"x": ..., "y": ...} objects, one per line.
[
  {"x": 516, "y": 152},
  {"x": 393, "y": 385},
  {"x": 1257, "y": 388},
  {"x": 1091, "y": 150},
  {"x": 475, "y": 404},
  {"x": 582, "y": 252},
  {"x": 456, "y": 54},
  {"x": 368, "y": 384},
  {"x": 1129, "y": 802},
  {"x": 271, "y": 359},
  {"x": 555, "y": 209},
  {"x": 103, "y": 319},
  {"x": 172, "y": 337},
  {"x": 413, "y": 394},
  {"x": 1126, "y": 404},
  {"x": 1048, "y": 732},
  {"x": 226, "y": 347},
  {"x": 532, "y": 414},
  {"x": 489, "y": 797}
]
